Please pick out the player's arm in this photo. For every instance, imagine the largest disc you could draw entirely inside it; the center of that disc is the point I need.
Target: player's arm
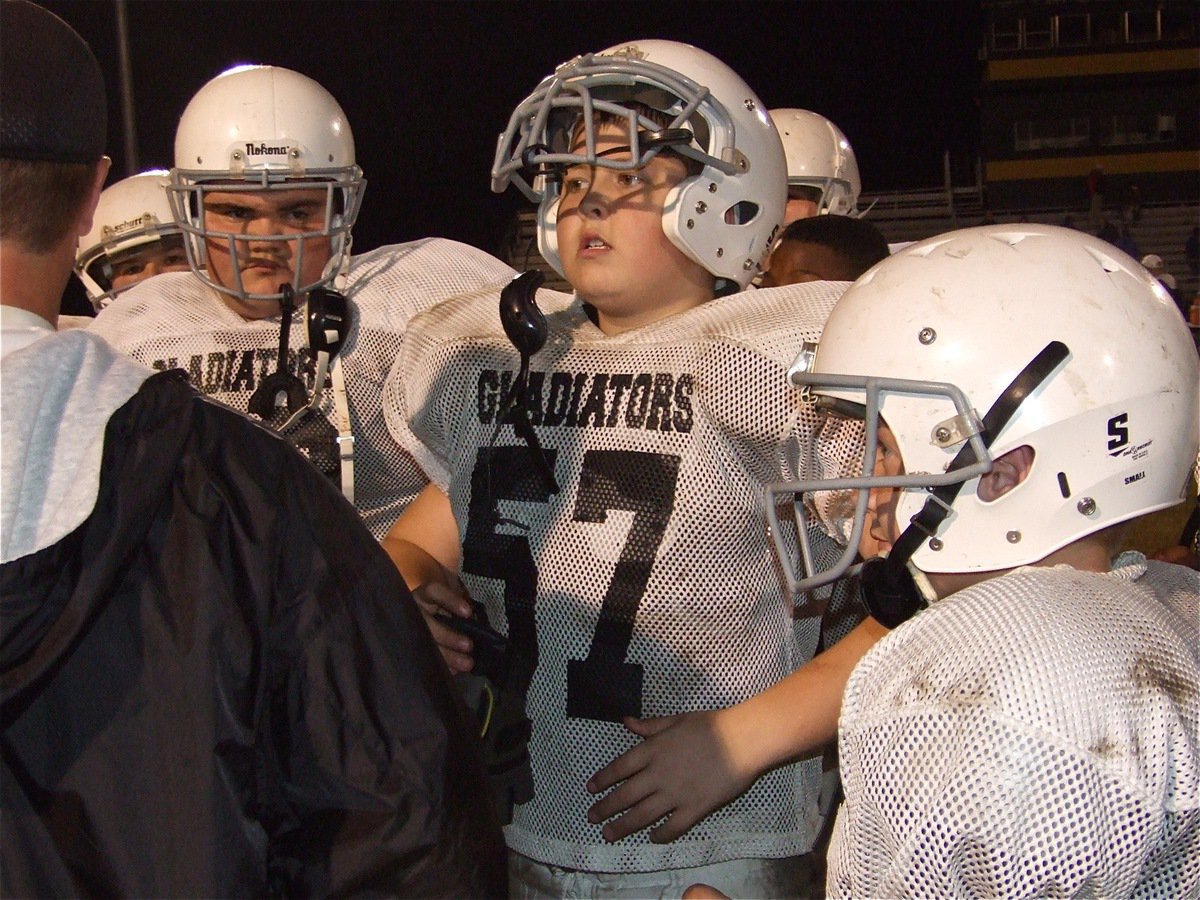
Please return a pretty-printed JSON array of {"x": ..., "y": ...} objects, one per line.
[
  {"x": 692, "y": 764},
  {"x": 424, "y": 545}
]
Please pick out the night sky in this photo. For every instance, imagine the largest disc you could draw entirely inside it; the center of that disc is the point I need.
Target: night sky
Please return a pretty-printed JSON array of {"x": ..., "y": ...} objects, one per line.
[{"x": 428, "y": 86}]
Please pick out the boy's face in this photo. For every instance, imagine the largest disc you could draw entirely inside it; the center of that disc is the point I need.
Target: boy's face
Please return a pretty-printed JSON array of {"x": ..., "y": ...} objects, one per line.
[
  {"x": 611, "y": 242},
  {"x": 802, "y": 203},
  {"x": 264, "y": 264},
  {"x": 166, "y": 255},
  {"x": 880, "y": 531},
  {"x": 795, "y": 262}
]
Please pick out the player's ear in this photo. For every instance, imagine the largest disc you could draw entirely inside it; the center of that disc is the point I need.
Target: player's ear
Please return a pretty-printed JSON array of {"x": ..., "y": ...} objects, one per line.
[
  {"x": 1007, "y": 472},
  {"x": 88, "y": 210}
]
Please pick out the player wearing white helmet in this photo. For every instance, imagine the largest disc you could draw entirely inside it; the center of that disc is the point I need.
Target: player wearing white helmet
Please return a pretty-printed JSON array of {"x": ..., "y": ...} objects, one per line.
[
  {"x": 266, "y": 191},
  {"x": 600, "y": 500},
  {"x": 1027, "y": 390},
  {"x": 133, "y": 237},
  {"x": 822, "y": 170}
]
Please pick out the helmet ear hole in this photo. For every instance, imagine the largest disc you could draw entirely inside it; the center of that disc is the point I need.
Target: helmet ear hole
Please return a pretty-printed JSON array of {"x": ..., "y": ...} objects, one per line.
[{"x": 742, "y": 213}]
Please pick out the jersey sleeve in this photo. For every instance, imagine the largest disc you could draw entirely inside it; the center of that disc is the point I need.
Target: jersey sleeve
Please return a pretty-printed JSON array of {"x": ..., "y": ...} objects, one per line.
[{"x": 418, "y": 399}]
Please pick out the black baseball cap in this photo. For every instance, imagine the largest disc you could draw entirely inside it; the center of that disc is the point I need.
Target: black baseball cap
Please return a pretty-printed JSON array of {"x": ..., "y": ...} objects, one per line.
[{"x": 52, "y": 105}]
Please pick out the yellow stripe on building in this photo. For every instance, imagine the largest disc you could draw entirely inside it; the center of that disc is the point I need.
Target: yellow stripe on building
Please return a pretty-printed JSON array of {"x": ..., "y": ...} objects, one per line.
[
  {"x": 1080, "y": 166},
  {"x": 1091, "y": 64}
]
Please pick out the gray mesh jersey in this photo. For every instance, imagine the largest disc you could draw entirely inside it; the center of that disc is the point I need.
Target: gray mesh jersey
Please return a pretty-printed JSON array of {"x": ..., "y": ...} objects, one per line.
[
  {"x": 1034, "y": 735},
  {"x": 175, "y": 321},
  {"x": 657, "y": 589}
]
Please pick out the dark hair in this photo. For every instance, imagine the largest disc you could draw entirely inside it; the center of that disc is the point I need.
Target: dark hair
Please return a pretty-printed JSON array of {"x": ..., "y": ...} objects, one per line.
[
  {"x": 41, "y": 201},
  {"x": 856, "y": 241}
]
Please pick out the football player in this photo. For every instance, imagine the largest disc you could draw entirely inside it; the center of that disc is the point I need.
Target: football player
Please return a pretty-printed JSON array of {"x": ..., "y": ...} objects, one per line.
[
  {"x": 266, "y": 191},
  {"x": 822, "y": 170},
  {"x": 133, "y": 237},
  {"x": 602, "y": 505},
  {"x": 1028, "y": 391},
  {"x": 825, "y": 248}
]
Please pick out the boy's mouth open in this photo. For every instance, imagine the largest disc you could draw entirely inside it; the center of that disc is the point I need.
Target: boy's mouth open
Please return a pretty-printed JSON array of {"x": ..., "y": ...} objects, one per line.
[{"x": 592, "y": 245}]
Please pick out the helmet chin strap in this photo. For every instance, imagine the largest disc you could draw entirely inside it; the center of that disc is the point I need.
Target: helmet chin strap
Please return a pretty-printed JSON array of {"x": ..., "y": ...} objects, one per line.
[{"x": 893, "y": 589}]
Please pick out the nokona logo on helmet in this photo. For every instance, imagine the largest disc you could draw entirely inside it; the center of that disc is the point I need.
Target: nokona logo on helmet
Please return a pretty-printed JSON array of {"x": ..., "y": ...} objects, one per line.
[
  {"x": 630, "y": 51},
  {"x": 267, "y": 150}
]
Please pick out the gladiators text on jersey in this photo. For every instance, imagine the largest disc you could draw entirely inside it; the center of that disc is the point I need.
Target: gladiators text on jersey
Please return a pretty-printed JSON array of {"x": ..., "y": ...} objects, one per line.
[{"x": 655, "y": 401}]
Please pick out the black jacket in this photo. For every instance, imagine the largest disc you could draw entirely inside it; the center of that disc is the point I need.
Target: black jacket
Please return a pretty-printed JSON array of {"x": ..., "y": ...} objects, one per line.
[{"x": 218, "y": 685}]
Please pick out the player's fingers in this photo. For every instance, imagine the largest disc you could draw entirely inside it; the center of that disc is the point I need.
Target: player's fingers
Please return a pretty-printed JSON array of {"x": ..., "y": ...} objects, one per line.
[
  {"x": 451, "y": 600},
  {"x": 620, "y": 799},
  {"x": 458, "y": 663},
  {"x": 677, "y": 825},
  {"x": 624, "y": 766},
  {"x": 643, "y": 815},
  {"x": 650, "y": 726},
  {"x": 452, "y": 643}
]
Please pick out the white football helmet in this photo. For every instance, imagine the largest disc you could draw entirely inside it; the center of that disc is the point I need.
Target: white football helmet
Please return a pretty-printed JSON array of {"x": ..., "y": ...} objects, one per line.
[
  {"x": 131, "y": 213},
  {"x": 819, "y": 156},
  {"x": 976, "y": 342},
  {"x": 262, "y": 128},
  {"x": 724, "y": 218}
]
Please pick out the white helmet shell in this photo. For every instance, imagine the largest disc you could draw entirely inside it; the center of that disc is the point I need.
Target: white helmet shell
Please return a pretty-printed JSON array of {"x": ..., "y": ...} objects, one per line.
[
  {"x": 258, "y": 128},
  {"x": 723, "y": 218},
  {"x": 819, "y": 156},
  {"x": 133, "y": 212},
  {"x": 1113, "y": 425}
]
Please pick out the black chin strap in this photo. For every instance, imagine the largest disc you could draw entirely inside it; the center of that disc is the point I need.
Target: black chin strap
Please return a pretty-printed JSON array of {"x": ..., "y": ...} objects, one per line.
[{"x": 889, "y": 589}]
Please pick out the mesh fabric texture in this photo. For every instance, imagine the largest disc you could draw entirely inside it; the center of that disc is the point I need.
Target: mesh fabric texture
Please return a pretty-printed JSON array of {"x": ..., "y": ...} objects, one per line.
[
  {"x": 1034, "y": 735},
  {"x": 175, "y": 321},
  {"x": 647, "y": 584}
]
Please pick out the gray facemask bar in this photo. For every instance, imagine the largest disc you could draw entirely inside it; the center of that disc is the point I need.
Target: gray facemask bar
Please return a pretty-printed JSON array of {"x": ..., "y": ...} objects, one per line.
[
  {"x": 872, "y": 387},
  {"x": 183, "y": 192},
  {"x": 526, "y": 142}
]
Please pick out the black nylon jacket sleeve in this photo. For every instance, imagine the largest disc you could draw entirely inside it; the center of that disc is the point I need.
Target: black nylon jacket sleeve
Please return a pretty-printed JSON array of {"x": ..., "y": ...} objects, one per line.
[{"x": 218, "y": 686}]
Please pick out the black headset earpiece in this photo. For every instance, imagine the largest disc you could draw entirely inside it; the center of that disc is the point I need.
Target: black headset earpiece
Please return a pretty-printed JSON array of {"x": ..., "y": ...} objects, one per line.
[
  {"x": 328, "y": 319},
  {"x": 519, "y": 314},
  {"x": 526, "y": 328},
  {"x": 281, "y": 383},
  {"x": 889, "y": 592}
]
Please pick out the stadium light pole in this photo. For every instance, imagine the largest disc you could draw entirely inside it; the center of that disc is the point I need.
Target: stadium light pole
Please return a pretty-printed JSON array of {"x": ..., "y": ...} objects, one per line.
[{"x": 128, "y": 119}]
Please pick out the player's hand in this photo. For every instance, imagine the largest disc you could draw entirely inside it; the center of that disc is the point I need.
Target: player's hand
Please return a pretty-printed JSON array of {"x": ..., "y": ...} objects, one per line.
[
  {"x": 436, "y": 598},
  {"x": 685, "y": 769}
]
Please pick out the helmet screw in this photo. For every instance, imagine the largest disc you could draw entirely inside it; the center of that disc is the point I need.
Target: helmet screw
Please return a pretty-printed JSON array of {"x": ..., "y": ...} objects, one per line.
[
  {"x": 691, "y": 223},
  {"x": 927, "y": 336},
  {"x": 942, "y": 434},
  {"x": 1086, "y": 506},
  {"x": 748, "y": 265},
  {"x": 294, "y": 153},
  {"x": 935, "y": 544},
  {"x": 749, "y": 104},
  {"x": 1013, "y": 537},
  {"x": 712, "y": 187},
  {"x": 237, "y": 154},
  {"x": 701, "y": 207},
  {"x": 720, "y": 252}
]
